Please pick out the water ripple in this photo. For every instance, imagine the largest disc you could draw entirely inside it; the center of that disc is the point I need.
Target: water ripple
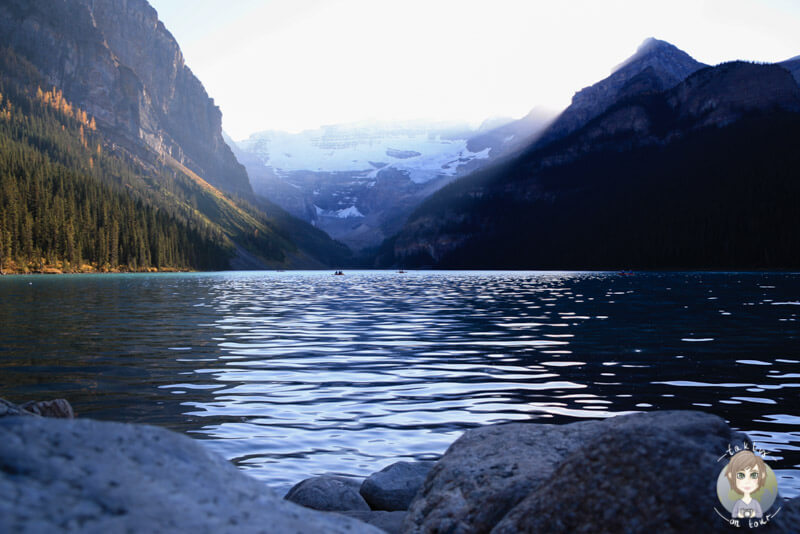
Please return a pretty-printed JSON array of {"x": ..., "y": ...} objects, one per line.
[{"x": 300, "y": 373}]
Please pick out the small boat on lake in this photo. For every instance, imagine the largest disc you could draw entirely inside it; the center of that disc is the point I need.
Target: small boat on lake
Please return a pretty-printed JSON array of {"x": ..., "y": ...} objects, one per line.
[{"x": 338, "y": 273}]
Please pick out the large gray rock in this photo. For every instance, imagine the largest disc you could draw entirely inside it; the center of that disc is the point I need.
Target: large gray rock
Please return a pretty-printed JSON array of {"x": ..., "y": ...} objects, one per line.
[
  {"x": 390, "y": 522},
  {"x": 393, "y": 487},
  {"x": 328, "y": 493},
  {"x": 489, "y": 470},
  {"x": 88, "y": 476},
  {"x": 633, "y": 480}
]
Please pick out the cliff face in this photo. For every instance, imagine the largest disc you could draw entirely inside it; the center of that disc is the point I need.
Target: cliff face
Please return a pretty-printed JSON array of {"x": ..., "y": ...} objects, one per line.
[{"x": 115, "y": 59}]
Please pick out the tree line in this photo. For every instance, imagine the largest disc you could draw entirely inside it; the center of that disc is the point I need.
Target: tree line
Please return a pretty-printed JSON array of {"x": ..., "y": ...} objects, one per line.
[{"x": 64, "y": 201}]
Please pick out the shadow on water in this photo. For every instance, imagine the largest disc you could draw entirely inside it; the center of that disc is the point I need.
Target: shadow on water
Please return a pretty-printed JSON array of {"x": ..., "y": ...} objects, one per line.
[{"x": 299, "y": 373}]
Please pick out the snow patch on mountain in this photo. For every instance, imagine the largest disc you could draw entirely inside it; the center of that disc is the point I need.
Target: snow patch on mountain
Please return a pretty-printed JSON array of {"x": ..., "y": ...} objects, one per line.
[
  {"x": 419, "y": 151},
  {"x": 359, "y": 182}
]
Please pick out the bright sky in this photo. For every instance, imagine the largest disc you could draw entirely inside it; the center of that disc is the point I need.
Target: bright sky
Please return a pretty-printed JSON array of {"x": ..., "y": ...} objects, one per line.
[{"x": 298, "y": 64}]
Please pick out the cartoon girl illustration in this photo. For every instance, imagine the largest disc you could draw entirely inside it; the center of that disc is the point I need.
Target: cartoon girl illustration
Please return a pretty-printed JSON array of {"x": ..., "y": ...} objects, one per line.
[{"x": 746, "y": 473}]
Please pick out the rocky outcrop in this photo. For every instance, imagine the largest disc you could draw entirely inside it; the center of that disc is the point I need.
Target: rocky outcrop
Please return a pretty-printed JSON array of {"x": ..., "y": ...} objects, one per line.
[
  {"x": 637, "y": 473},
  {"x": 595, "y": 476},
  {"x": 92, "y": 476},
  {"x": 115, "y": 59}
]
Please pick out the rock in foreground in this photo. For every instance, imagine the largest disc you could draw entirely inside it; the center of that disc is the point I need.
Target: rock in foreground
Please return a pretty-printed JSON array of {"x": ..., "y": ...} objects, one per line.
[
  {"x": 649, "y": 472},
  {"x": 59, "y": 408},
  {"x": 328, "y": 493},
  {"x": 629, "y": 480},
  {"x": 394, "y": 487},
  {"x": 390, "y": 522},
  {"x": 91, "y": 476}
]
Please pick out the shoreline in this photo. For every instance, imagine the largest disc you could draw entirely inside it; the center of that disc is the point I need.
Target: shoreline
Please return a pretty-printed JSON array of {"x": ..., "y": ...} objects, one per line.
[
  {"x": 500, "y": 478},
  {"x": 53, "y": 270}
]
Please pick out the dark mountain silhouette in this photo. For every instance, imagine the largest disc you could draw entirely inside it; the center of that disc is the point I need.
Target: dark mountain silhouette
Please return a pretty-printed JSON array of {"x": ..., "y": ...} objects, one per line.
[
  {"x": 701, "y": 175},
  {"x": 656, "y": 66}
]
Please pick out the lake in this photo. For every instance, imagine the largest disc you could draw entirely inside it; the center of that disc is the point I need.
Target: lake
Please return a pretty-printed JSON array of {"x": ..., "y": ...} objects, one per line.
[{"x": 293, "y": 374}]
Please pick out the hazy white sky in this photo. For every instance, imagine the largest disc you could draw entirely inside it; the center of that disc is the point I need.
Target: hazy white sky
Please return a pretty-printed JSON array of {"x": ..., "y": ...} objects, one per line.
[{"x": 297, "y": 64}]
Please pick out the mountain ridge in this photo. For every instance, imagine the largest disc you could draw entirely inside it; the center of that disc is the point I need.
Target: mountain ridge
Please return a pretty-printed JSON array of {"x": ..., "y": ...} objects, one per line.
[
  {"x": 526, "y": 202},
  {"x": 655, "y": 66},
  {"x": 359, "y": 181}
]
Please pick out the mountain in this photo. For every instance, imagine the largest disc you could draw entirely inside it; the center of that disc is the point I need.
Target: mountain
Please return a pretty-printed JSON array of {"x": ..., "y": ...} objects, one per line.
[
  {"x": 700, "y": 174},
  {"x": 503, "y": 137},
  {"x": 656, "y": 66},
  {"x": 149, "y": 115},
  {"x": 118, "y": 62},
  {"x": 793, "y": 66},
  {"x": 359, "y": 181}
]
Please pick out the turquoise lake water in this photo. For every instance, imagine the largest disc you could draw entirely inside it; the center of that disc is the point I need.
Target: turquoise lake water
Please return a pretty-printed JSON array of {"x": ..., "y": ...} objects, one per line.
[{"x": 292, "y": 374}]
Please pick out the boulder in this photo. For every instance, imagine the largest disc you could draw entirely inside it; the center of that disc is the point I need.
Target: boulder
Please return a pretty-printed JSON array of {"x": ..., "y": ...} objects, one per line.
[
  {"x": 80, "y": 475},
  {"x": 634, "y": 480},
  {"x": 390, "y": 522},
  {"x": 328, "y": 493},
  {"x": 788, "y": 518},
  {"x": 394, "y": 486},
  {"x": 490, "y": 470},
  {"x": 59, "y": 408}
]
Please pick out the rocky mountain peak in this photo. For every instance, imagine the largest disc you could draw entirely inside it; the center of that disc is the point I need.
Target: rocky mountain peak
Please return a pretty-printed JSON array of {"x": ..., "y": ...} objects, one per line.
[
  {"x": 670, "y": 62},
  {"x": 656, "y": 66},
  {"x": 656, "y": 47}
]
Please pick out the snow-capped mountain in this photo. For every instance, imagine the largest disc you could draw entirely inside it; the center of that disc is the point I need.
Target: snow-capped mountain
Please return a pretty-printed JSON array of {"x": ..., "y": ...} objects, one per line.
[
  {"x": 423, "y": 152},
  {"x": 360, "y": 181}
]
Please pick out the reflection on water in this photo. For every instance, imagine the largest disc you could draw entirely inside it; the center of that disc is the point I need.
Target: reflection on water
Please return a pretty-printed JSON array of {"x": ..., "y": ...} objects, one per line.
[{"x": 295, "y": 374}]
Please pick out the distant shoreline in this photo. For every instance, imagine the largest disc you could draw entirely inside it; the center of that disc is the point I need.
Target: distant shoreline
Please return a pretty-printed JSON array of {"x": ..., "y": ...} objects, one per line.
[
  {"x": 709, "y": 270},
  {"x": 48, "y": 270}
]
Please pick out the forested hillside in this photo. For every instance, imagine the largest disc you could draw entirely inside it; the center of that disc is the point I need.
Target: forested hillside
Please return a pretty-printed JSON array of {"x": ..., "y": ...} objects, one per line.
[
  {"x": 113, "y": 156},
  {"x": 70, "y": 200},
  {"x": 66, "y": 204}
]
